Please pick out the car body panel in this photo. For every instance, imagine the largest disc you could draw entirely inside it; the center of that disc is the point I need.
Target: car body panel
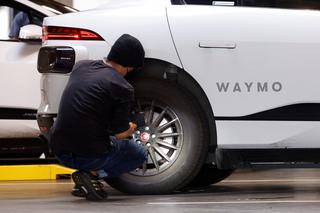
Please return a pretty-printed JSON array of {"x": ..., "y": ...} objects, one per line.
[
  {"x": 17, "y": 60},
  {"x": 267, "y": 134},
  {"x": 112, "y": 4},
  {"x": 246, "y": 48},
  {"x": 140, "y": 26},
  {"x": 271, "y": 45}
]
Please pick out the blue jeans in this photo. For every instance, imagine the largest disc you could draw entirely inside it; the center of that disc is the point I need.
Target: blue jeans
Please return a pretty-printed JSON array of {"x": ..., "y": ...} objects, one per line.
[{"x": 125, "y": 156}]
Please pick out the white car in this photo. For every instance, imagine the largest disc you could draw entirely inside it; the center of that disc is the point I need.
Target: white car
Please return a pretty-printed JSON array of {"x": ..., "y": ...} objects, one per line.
[
  {"x": 19, "y": 80},
  {"x": 226, "y": 85}
]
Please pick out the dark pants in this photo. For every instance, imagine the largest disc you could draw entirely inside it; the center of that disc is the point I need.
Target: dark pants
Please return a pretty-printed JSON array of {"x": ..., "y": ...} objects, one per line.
[{"x": 125, "y": 156}]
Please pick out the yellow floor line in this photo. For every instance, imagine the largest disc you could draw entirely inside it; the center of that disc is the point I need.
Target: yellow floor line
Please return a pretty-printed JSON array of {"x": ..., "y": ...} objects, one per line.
[{"x": 34, "y": 172}]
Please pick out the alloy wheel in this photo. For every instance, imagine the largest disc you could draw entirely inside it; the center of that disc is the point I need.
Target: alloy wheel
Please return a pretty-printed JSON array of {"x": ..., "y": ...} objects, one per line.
[{"x": 162, "y": 136}]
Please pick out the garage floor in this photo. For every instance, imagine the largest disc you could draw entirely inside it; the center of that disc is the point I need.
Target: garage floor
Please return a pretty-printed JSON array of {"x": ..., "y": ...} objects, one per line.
[{"x": 277, "y": 190}]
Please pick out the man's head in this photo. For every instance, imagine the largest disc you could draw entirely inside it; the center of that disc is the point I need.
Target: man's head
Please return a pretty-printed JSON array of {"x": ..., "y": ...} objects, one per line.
[{"x": 127, "y": 52}]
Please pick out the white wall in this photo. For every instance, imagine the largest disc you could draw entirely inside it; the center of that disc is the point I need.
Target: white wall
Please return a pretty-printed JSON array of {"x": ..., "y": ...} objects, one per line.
[{"x": 85, "y": 4}]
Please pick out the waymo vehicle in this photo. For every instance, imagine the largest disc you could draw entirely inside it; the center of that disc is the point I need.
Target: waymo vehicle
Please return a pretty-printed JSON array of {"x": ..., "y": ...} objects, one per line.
[{"x": 226, "y": 85}]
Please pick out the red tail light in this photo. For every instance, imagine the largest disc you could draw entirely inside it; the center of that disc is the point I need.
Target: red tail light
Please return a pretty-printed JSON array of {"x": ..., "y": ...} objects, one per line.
[{"x": 67, "y": 33}]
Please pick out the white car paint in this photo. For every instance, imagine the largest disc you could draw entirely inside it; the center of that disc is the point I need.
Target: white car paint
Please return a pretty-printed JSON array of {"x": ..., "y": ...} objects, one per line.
[
  {"x": 19, "y": 81},
  {"x": 141, "y": 26},
  {"x": 270, "y": 45},
  {"x": 215, "y": 44}
]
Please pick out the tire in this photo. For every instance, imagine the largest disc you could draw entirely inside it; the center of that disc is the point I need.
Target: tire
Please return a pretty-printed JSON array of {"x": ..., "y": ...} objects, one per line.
[
  {"x": 209, "y": 174},
  {"x": 173, "y": 160}
]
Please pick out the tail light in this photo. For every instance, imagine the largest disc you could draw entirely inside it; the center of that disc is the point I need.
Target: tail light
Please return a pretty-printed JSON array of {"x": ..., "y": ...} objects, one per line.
[{"x": 68, "y": 33}]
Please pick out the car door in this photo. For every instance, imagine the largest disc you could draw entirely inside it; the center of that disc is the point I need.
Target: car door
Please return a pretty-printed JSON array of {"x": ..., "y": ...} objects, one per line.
[
  {"x": 19, "y": 79},
  {"x": 259, "y": 68}
]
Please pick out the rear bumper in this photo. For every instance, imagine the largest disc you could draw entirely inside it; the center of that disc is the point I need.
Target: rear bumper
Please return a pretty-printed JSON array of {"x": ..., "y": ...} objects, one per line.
[{"x": 55, "y": 64}]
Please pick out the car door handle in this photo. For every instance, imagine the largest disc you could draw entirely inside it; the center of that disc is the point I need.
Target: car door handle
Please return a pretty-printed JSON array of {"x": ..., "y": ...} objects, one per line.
[{"x": 218, "y": 44}]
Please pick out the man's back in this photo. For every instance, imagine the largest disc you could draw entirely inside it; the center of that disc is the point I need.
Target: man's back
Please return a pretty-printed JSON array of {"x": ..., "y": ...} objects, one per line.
[{"x": 91, "y": 105}]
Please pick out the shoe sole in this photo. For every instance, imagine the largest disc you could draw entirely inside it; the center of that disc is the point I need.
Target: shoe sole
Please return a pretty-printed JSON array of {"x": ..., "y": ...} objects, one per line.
[
  {"x": 84, "y": 181},
  {"x": 79, "y": 194}
]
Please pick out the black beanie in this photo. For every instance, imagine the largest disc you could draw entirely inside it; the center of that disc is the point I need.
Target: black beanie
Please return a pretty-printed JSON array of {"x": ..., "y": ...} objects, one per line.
[{"x": 127, "y": 51}]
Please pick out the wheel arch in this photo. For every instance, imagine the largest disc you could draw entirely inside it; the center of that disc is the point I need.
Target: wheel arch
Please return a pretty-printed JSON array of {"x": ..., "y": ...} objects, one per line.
[{"x": 155, "y": 68}]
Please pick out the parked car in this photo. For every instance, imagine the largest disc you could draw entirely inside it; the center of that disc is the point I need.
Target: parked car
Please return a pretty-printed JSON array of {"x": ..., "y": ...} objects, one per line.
[
  {"x": 224, "y": 86},
  {"x": 19, "y": 80}
]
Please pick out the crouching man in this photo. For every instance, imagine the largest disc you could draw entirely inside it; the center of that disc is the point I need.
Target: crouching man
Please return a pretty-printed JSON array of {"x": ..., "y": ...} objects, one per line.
[{"x": 95, "y": 103}]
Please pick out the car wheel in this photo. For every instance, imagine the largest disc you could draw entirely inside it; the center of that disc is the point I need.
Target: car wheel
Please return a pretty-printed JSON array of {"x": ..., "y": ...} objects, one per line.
[
  {"x": 175, "y": 138},
  {"x": 209, "y": 174}
]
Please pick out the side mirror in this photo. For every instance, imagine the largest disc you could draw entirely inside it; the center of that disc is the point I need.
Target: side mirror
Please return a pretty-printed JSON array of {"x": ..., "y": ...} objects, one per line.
[{"x": 30, "y": 32}]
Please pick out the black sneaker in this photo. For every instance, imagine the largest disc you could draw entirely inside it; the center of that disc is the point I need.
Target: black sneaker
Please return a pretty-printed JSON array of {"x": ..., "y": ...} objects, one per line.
[
  {"x": 90, "y": 186},
  {"x": 78, "y": 192}
]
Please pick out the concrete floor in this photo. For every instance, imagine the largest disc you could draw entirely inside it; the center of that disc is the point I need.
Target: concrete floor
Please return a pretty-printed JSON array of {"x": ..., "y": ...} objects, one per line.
[{"x": 277, "y": 190}]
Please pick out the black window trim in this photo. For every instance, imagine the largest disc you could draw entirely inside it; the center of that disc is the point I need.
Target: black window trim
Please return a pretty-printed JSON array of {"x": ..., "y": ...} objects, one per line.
[{"x": 21, "y": 7}]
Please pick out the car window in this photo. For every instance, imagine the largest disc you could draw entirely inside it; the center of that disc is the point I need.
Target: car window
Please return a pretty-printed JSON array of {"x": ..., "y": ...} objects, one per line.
[
  {"x": 54, "y": 6},
  {"x": 284, "y": 4},
  {"x": 289, "y": 4},
  {"x": 200, "y": 2},
  {"x": 13, "y": 18},
  {"x": 214, "y": 2}
]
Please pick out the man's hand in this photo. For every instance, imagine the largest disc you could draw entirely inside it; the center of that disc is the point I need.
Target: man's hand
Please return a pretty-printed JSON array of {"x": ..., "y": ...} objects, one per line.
[
  {"x": 128, "y": 132},
  {"x": 133, "y": 126}
]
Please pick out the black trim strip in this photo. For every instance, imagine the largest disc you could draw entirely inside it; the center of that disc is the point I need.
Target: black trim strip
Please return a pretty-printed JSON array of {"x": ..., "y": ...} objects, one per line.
[
  {"x": 296, "y": 112},
  {"x": 18, "y": 113},
  {"x": 241, "y": 158},
  {"x": 9, "y": 40}
]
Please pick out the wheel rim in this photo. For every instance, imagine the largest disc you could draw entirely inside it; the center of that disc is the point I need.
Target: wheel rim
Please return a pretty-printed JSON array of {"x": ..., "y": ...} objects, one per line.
[{"x": 162, "y": 136}]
